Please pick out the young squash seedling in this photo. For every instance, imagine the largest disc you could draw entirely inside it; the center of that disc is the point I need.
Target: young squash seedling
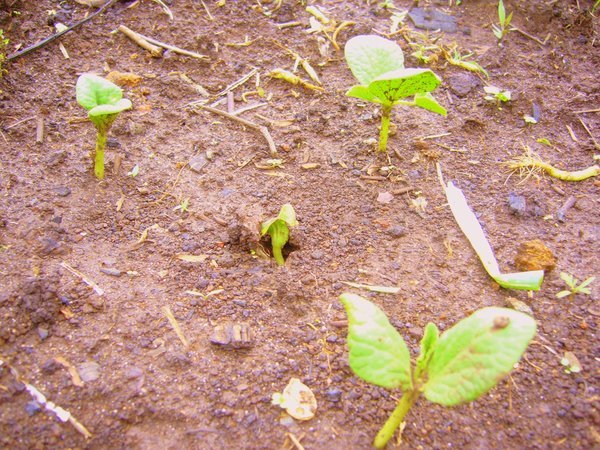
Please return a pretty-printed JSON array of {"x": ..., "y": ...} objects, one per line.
[
  {"x": 278, "y": 228},
  {"x": 457, "y": 367},
  {"x": 103, "y": 101},
  {"x": 378, "y": 65}
]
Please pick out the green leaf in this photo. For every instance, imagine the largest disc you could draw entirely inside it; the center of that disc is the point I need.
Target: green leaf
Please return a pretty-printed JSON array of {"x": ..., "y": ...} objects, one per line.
[
  {"x": 378, "y": 354},
  {"x": 402, "y": 83},
  {"x": 92, "y": 91},
  {"x": 370, "y": 56},
  {"x": 525, "y": 281},
  {"x": 475, "y": 354},
  {"x": 103, "y": 110},
  {"x": 428, "y": 102},
  {"x": 362, "y": 92},
  {"x": 586, "y": 282},
  {"x": 288, "y": 215},
  {"x": 280, "y": 233},
  {"x": 428, "y": 344},
  {"x": 562, "y": 294},
  {"x": 501, "y": 12}
]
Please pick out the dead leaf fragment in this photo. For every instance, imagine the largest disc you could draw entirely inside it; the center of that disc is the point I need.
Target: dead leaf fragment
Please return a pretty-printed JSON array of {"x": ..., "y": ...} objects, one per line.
[
  {"x": 297, "y": 399},
  {"x": 89, "y": 371},
  {"x": 191, "y": 258},
  {"x": 385, "y": 197},
  {"x": 518, "y": 305},
  {"x": 75, "y": 378},
  {"x": 571, "y": 363}
]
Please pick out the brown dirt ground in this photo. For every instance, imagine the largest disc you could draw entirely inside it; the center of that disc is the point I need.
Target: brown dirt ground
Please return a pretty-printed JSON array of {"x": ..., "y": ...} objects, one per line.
[{"x": 151, "y": 391}]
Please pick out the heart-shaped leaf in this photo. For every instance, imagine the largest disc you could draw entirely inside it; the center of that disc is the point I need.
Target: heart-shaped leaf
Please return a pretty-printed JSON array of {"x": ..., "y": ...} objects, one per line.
[
  {"x": 370, "y": 56},
  {"x": 378, "y": 354},
  {"x": 426, "y": 101},
  {"x": 402, "y": 83},
  {"x": 92, "y": 91},
  {"x": 471, "y": 357},
  {"x": 102, "y": 110},
  {"x": 362, "y": 92}
]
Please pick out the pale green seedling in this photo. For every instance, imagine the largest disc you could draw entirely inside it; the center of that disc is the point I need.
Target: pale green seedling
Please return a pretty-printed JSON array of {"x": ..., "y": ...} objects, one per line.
[
  {"x": 497, "y": 95},
  {"x": 574, "y": 286},
  {"x": 378, "y": 65},
  {"x": 279, "y": 230},
  {"x": 457, "y": 367},
  {"x": 103, "y": 101},
  {"x": 502, "y": 28},
  {"x": 3, "y": 44}
]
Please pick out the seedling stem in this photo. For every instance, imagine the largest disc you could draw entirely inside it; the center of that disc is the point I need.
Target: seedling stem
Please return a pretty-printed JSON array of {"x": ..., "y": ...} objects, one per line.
[
  {"x": 396, "y": 418},
  {"x": 386, "y": 112}
]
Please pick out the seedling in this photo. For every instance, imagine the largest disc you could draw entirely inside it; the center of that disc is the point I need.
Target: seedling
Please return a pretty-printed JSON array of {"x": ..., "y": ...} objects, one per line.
[
  {"x": 134, "y": 171},
  {"x": 103, "y": 101},
  {"x": 457, "y": 367},
  {"x": 183, "y": 206},
  {"x": 278, "y": 229},
  {"x": 454, "y": 57},
  {"x": 3, "y": 44},
  {"x": 378, "y": 64},
  {"x": 502, "y": 28},
  {"x": 497, "y": 95},
  {"x": 574, "y": 286}
]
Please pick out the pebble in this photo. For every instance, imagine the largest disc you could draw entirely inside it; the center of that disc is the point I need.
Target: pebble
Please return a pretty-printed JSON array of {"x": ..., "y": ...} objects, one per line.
[
  {"x": 197, "y": 163},
  {"x": 33, "y": 407},
  {"x": 111, "y": 271},
  {"x": 62, "y": 191},
  {"x": 133, "y": 372},
  {"x": 334, "y": 395},
  {"x": 462, "y": 83},
  {"x": 89, "y": 371},
  {"x": 43, "y": 333},
  {"x": 396, "y": 231},
  {"x": 517, "y": 204},
  {"x": 317, "y": 254}
]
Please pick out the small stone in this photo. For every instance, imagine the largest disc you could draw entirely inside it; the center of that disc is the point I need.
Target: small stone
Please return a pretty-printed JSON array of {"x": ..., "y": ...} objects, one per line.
[
  {"x": 561, "y": 413},
  {"x": 385, "y": 197},
  {"x": 334, "y": 395},
  {"x": 332, "y": 338},
  {"x": 49, "y": 245},
  {"x": 50, "y": 366},
  {"x": 62, "y": 191},
  {"x": 232, "y": 336},
  {"x": 133, "y": 372},
  {"x": 111, "y": 271},
  {"x": 197, "y": 163},
  {"x": 89, "y": 371},
  {"x": 42, "y": 333},
  {"x": 534, "y": 255},
  {"x": 33, "y": 407},
  {"x": 416, "y": 332},
  {"x": 462, "y": 83},
  {"x": 396, "y": 231},
  {"x": 317, "y": 254},
  {"x": 517, "y": 204}
]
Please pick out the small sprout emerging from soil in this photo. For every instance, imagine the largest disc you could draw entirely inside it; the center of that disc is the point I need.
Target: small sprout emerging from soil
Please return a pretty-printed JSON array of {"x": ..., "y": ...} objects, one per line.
[
  {"x": 3, "y": 44},
  {"x": 378, "y": 64},
  {"x": 497, "y": 95},
  {"x": 134, "y": 172},
  {"x": 183, "y": 206},
  {"x": 502, "y": 29},
  {"x": 457, "y": 367},
  {"x": 278, "y": 229},
  {"x": 571, "y": 363},
  {"x": 103, "y": 101},
  {"x": 574, "y": 286},
  {"x": 531, "y": 163},
  {"x": 456, "y": 59}
]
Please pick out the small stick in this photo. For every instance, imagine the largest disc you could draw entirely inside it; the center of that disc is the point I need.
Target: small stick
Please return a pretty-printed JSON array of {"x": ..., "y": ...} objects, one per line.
[
  {"x": 248, "y": 108},
  {"x": 174, "y": 49},
  {"x": 404, "y": 190},
  {"x": 19, "y": 123},
  {"x": 210, "y": 16},
  {"x": 230, "y": 103},
  {"x": 154, "y": 50},
  {"x": 433, "y": 136},
  {"x": 562, "y": 211},
  {"x": 281, "y": 26},
  {"x": 97, "y": 289},
  {"x": 585, "y": 127},
  {"x": 533, "y": 38},
  {"x": 175, "y": 326},
  {"x": 296, "y": 442},
  {"x": 39, "y": 132},
  {"x": 373, "y": 178},
  {"x": 57, "y": 35},
  {"x": 572, "y": 133},
  {"x": 264, "y": 130},
  {"x": 587, "y": 111}
]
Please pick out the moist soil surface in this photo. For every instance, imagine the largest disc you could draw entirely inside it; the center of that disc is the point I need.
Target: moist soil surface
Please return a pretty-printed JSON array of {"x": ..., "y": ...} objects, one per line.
[{"x": 90, "y": 268}]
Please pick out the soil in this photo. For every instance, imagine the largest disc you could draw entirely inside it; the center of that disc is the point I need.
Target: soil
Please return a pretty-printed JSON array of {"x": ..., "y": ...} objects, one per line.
[{"x": 140, "y": 386}]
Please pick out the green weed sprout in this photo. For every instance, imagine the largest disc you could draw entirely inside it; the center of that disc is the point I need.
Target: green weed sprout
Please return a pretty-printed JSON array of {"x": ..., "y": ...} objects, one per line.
[
  {"x": 279, "y": 230},
  {"x": 3, "y": 44},
  {"x": 378, "y": 65},
  {"x": 103, "y": 101},
  {"x": 574, "y": 286},
  {"x": 457, "y": 367},
  {"x": 502, "y": 28},
  {"x": 497, "y": 95}
]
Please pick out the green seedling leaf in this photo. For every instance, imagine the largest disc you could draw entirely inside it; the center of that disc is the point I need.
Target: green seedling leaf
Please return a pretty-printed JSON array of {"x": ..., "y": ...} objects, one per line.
[
  {"x": 428, "y": 345},
  {"x": 278, "y": 229},
  {"x": 398, "y": 84},
  {"x": 362, "y": 92},
  {"x": 501, "y": 12},
  {"x": 378, "y": 354},
  {"x": 371, "y": 56},
  {"x": 372, "y": 288},
  {"x": 426, "y": 101},
  {"x": 471, "y": 357},
  {"x": 470, "y": 226},
  {"x": 571, "y": 363}
]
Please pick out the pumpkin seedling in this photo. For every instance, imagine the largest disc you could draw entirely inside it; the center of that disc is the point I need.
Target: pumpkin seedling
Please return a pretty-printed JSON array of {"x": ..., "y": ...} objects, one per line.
[
  {"x": 457, "y": 367},
  {"x": 278, "y": 228},
  {"x": 378, "y": 65},
  {"x": 574, "y": 286},
  {"x": 497, "y": 95},
  {"x": 103, "y": 101}
]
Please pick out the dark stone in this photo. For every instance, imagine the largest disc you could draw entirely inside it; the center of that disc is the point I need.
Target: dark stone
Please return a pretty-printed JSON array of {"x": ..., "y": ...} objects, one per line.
[
  {"x": 62, "y": 191},
  {"x": 33, "y": 407},
  {"x": 462, "y": 83},
  {"x": 334, "y": 395}
]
